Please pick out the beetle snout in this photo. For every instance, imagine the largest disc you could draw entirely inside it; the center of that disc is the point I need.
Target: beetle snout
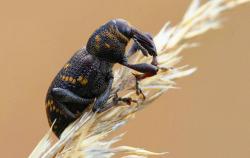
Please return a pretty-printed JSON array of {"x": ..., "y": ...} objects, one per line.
[{"x": 145, "y": 42}]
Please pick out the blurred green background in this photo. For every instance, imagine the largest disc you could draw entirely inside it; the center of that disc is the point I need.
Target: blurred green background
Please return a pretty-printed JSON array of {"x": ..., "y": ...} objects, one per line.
[{"x": 208, "y": 117}]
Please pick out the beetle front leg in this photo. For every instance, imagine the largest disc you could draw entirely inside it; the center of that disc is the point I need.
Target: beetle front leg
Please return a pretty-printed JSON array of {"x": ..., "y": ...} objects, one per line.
[
  {"x": 148, "y": 70},
  {"x": 103, "y": 98},
  {"x": 139, "y": 46}
]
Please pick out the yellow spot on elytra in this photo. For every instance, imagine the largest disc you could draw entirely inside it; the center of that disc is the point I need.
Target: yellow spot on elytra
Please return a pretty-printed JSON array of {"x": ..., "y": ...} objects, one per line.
[
  {"x": 63, "y": 78},
  {"x": 79, "y": 78},
  {"x": 57, "y": 110},
  {"x": 53, "y": 108},
  {"x": 66, "y": 65},
  {"x": 49, "y": 103},
  {"x": 82, "y": 80},
  {"x": 70, "y": 79},
  {"x": 107, "y": 45},
  {"x": 67, "y": 78}
]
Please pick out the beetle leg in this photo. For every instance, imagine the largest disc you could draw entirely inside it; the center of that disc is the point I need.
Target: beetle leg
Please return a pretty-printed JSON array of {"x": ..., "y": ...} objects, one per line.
[
  {"x": 137, "y": 88},
  {"x": 103, "y": 98},
  {"x": 138, "y": 46},
  {"x": 144, "y": 42},
  {"x": 154, "y": 61},
  {"x": 135, "y": 47},
  {"x": 116, "y": 99},
  {"x": 65, "y": 97},
  {"x": 148, "y": 70},
  {"x": 127, "y": 100},
  {"x": 67, "y": 113}
]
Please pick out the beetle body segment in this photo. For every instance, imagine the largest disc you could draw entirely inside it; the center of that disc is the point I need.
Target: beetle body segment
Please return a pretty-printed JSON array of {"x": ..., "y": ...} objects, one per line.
[{"x": 87, "y": 77}]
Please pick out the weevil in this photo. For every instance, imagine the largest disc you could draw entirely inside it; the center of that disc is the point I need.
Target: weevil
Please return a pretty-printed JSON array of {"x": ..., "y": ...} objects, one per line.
[{"x": 86, "y": 79}]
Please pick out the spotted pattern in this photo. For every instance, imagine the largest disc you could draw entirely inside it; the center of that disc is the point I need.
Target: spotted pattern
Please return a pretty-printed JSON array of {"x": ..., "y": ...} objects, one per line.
[
  {"x": 49, "y": 103},
  {"x": 68, "y": 79},
  {"x": 84, "y": 75},
  {"x": 108, "y": 34},
  {"x": 82, "y": 80},
  {"x": 116, "y": 33},
  {"x": 97, "y": 44}
]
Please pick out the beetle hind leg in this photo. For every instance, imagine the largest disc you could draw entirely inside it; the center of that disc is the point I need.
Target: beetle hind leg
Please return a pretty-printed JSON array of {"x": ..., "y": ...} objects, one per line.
[
  {"x": 64, "y": 97},
  {"x": 127, "y": 100}
]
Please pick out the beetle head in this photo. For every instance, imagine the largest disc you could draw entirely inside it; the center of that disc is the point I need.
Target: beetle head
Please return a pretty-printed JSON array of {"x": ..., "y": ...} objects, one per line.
[
  {"x": 108, "y": 43},
  {"x": 110, "y": 40}
]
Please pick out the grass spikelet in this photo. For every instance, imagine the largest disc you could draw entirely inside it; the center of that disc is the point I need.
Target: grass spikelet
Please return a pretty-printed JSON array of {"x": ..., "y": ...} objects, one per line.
[{"x": 85, "y": 138}]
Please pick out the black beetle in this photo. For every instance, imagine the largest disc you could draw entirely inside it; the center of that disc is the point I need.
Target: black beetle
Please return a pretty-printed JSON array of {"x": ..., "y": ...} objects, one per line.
[{"x": 87, "y": 77}]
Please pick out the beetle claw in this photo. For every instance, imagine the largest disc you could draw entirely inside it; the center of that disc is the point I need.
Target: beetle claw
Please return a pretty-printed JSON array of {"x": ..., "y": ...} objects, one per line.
[
  {"x": 155, "y": 61},
  {"x": 137, "y": 87},
  {"x": 127, "y": 100}
]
